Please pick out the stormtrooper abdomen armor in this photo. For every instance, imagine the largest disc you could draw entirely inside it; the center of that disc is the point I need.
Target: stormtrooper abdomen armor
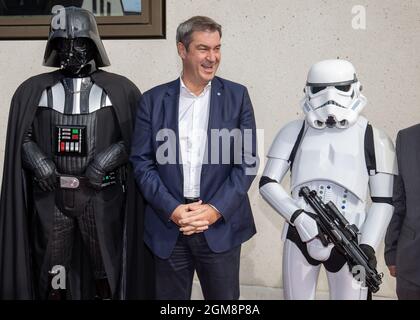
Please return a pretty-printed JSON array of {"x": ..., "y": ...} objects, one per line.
[{"x": 334, "y": 165}]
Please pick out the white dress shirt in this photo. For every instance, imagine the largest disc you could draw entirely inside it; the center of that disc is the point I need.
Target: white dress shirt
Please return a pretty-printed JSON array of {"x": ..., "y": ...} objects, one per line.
[{"x": 192, "y": 124}]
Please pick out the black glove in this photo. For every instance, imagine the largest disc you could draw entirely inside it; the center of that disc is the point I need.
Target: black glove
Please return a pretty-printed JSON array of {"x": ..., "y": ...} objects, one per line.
[
  {"x": 109, "y": 159},
  {"x": 46, "y": 178},
  {"x": 370, "y": 253},
  {"x": 42, "y": 167},
  {"x": 95, "y": 175}
]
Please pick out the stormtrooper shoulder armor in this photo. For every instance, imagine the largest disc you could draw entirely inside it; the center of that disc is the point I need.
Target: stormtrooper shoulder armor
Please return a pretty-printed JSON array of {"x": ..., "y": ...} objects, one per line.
[
  {"x": 385, "y": 156},
  {"x": 287, "y": 140}
]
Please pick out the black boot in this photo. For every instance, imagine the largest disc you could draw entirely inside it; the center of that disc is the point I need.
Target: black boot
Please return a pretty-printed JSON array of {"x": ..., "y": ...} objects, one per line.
[
  {"x": 55, "y": 294},
  {"x": 103, "y": 291}
]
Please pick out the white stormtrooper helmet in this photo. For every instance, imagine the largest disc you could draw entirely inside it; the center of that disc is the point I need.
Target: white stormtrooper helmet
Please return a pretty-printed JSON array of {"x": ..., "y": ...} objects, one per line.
[{"x": 332, "y": 95}]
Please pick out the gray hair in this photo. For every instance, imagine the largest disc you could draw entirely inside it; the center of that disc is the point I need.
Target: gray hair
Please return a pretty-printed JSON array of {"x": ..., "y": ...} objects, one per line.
[{"x": 197, "y": 23}]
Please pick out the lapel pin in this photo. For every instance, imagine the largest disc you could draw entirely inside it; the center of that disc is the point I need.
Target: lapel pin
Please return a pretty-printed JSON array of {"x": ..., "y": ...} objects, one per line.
[{"x": 218, "y": 93}]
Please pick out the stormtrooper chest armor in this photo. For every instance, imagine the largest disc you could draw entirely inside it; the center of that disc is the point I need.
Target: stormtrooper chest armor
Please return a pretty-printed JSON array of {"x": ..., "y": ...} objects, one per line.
[
  {"x": 74, "y": 121},
  {"x": 333, "y": 155}
]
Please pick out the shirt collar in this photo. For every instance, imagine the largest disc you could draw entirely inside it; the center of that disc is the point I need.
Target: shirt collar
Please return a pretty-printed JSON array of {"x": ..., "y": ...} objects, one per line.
[{"x": 185, "y": 90}]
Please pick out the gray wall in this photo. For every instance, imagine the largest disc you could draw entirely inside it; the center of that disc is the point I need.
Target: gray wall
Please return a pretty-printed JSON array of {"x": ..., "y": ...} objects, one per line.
[{"x": 269, "y": 45}]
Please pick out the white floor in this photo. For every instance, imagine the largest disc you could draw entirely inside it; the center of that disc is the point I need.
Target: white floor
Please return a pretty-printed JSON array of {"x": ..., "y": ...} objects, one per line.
[{"x": 263, "y": 293}]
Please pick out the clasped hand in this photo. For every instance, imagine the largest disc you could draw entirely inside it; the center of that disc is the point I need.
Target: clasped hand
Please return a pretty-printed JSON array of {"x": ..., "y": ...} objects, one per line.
[{"x": 194, "y": 217}]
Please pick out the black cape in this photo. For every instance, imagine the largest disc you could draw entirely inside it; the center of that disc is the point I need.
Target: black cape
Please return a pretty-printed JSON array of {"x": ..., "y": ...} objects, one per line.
[{"x": 18, "y": 279}]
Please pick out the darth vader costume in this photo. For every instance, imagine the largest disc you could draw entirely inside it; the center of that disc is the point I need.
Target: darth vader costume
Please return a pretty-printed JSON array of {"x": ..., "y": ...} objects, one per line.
[{"x": 69, "y": 204}]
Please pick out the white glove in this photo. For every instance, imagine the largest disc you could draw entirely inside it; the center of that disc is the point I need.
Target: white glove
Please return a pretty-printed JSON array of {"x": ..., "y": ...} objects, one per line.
[{"x": 306, "y": 226}]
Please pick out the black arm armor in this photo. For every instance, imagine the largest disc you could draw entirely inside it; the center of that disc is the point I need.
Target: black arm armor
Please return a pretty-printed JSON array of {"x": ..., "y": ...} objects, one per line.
[
  {"x": 107, "y": 160},
  {"x": 112, "y": 157},
  {"x": 36, "y": 161}
]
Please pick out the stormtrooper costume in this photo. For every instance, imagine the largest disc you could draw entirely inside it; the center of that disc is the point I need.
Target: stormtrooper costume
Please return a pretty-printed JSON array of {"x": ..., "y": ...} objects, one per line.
[{"x": 336, "y": 152}]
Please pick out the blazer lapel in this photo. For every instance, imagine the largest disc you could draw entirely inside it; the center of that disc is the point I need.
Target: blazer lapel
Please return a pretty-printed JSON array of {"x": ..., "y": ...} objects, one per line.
[
  {"x": 171, "y": 114},
  {"x": 215, "y": 115},
  {"x": 408, "y": 144}
]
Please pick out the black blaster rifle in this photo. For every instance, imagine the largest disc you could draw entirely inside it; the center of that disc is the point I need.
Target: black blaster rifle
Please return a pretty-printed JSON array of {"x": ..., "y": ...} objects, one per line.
[{"x": 336, "y": 229}]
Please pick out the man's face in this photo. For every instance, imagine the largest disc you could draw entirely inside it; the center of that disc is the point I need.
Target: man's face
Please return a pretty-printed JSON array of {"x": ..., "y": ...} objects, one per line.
[{"x": 201, "y": 60}]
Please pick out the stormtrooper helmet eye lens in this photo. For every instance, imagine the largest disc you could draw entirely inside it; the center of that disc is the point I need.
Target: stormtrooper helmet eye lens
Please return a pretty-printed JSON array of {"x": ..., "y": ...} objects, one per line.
[
  {"x": 345, "y": 88},
  {"x": 317, "y": 89},
  {"x": 343, "y": 123}
]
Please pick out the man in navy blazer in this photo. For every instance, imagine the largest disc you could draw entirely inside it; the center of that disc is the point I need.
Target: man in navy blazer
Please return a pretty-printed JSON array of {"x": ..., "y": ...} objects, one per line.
[{"x": 194, "y": 157}]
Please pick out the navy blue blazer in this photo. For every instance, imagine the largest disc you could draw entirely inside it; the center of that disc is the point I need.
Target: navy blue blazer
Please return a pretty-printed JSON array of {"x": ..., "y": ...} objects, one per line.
[{"x": 224, "y": 183}]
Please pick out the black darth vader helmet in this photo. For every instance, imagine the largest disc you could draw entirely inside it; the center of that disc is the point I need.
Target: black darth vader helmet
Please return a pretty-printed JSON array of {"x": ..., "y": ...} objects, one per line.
[{"x": 74, "y": 28}]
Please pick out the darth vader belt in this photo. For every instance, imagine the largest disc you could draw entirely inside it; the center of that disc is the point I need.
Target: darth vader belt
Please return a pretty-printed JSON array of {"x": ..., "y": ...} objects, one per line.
[
  {"x": 69, "y": 182},
  {"x": 75, "y": 182}
]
